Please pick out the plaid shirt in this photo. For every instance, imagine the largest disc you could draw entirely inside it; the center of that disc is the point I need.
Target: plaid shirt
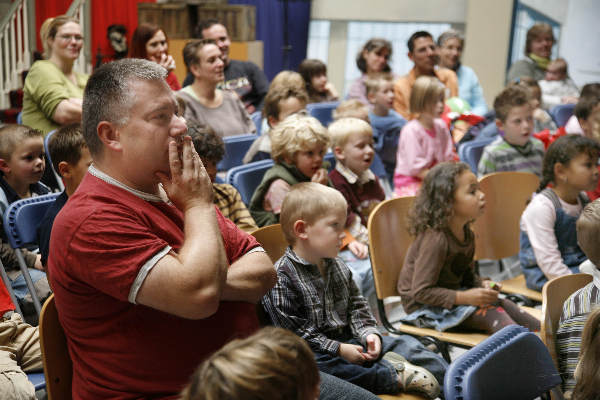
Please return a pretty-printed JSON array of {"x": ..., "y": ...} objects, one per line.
[{"x": 322, "y": 310}]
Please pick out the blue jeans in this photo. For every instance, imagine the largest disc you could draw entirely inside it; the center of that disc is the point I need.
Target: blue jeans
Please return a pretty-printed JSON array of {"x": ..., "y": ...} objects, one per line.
[
  {"x": 19, "y": 286},
  {"x": 362, "y": 274},
  {"x": 332, "y": 388},
  {"x": 380, "y": 376}
]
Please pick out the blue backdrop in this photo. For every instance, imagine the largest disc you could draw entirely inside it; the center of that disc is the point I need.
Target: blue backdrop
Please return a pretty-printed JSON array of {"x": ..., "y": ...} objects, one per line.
[{"x": 270, "y": 28}]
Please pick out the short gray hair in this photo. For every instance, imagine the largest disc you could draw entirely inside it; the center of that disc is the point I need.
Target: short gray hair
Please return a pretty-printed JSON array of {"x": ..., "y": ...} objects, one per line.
[
  {"x": 108, "y": 97},
  {"x": 451, "y": 34}
]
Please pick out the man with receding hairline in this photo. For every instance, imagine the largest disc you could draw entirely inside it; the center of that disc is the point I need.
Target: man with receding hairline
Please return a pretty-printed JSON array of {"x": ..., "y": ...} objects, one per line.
[{"x": 149, "y": 277}]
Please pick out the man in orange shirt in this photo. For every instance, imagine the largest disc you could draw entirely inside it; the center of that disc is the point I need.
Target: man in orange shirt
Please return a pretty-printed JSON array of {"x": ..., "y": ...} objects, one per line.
[{"x": 422, "y": 51}]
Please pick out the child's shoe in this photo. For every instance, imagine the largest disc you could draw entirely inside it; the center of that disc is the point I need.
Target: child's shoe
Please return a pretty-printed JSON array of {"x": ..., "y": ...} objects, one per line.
[{"x": 413, "y": 378}]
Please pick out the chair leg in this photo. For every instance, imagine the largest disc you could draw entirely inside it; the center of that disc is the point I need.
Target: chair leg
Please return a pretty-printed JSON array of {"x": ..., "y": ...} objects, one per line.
[{"x": 28, "y": 281}]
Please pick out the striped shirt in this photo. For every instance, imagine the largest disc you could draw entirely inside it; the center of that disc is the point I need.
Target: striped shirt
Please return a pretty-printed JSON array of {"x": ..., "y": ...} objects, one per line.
[
  {"x": 570, "y": 327},
  {"x": 321, "y": 309},
  {"x": 230, "y": 203},
  {"x": 501, "y": 156}
]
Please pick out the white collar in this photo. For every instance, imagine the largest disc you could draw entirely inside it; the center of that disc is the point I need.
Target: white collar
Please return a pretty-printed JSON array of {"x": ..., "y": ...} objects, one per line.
[{"x": 351, "y": 177}]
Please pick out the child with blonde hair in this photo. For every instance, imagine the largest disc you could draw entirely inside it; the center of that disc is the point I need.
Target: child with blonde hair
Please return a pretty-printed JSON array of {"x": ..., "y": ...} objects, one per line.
[
  {"x": 272, "y": 364},
  {"x": 548, "y": 243},
  {"x": 298, "y": 145},
  {"x": 316, "y": 298},
  {"x": 424, "y": 141},
  {"x": 351, "y": 109},
  {"x": 438, "y": 283}
]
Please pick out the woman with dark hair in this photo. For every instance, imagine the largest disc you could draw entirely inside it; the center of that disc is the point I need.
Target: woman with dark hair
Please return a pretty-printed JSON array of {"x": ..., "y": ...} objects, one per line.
[
  {"x": 222, "y": 110},
  {"x": 371, "y": 60},
  {"x": 151, "y": 42},
  {"x": 538, "y": 49},
  {"x": 53, "y": 90}
]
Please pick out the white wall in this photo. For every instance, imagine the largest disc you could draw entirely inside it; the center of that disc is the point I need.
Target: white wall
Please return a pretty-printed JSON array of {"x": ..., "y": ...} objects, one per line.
[
  {"x": 555, "y": 9},
  {"x": 580, "y": 41},
  {"x": 390, "y": 10}
]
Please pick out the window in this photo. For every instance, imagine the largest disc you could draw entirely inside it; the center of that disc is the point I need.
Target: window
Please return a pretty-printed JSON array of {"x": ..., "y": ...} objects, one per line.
[{"x": 318, "y": 40}]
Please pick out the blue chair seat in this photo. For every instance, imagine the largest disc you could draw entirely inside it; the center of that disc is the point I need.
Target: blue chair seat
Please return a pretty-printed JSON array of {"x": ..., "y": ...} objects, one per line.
[
  {"x": 246, "y": 178},
  {"x": 470, "y": 152},
  {"x": 236, "y": 148},
  {"x": 561, "y": 113},
  {"x": 38, "y": 380},
  {"x": 322, "y": 111}
]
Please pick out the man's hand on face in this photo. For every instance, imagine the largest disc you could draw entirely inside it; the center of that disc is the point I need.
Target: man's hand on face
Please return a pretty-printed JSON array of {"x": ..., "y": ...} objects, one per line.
[{"x": 188, "y": 184}]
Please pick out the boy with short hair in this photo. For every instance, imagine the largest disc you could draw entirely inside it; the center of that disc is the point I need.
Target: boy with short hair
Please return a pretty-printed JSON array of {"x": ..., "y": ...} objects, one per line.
[
  {"x": 282, "y": 100},
  {"x": 351, "y": 109},
  {"x": 514, "y": 149},
  {"x": 557, "y": 88},
  {"x": 316, "y": 298},
  {"x": 22, "y": 166},
  {"x": 577, "y": 307},
  {"x": 70, "y": 158},
  {"x": 211, "y": 149},
  {"x": 386, "y": 122}
]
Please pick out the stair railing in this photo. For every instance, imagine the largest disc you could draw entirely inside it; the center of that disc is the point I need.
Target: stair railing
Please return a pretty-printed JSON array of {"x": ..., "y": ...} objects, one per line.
[{"x": 14, "y": 49}]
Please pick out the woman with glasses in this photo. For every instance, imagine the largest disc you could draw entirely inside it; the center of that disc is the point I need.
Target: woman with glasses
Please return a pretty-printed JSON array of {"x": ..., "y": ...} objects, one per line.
[{"x": 53, "y": 90}]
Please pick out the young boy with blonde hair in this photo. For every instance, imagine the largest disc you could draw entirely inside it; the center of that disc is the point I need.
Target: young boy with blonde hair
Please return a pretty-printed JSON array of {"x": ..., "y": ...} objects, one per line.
[
  {"x": 577, "y": 307},
  {"x": 514, "y": 149},
  {"x": 22, "y": 166},
  {"x": 316, "y": 298},
  {"x": 272, "y": 364},
  {"x": 351, "y": 109},
  {"x": 298, "y": 145},
  {"x": 386, "y": 122},
  {"x": 71, "y": 159},
  {"x": 352, "y": 145}
]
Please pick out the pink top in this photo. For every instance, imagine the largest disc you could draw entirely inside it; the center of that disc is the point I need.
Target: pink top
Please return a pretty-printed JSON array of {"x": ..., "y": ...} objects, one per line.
[
  {"x": 538, "y": 222},
  {"x": 419, "y": 148},
  {"x": 573, "y": 126}
]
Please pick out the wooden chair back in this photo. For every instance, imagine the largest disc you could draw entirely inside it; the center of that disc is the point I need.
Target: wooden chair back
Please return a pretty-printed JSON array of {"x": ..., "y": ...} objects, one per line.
[
  {"x": 272, "y": 240},
  {"x": 554, "y": 294},
  {"x": 506, "y": 196},
  {"x": 389, "y": 239},
  {"x": 58, "y": 367}
]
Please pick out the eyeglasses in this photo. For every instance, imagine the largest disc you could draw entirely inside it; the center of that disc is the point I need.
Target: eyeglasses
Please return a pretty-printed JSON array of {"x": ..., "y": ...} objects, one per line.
[{"x": 68, "y": 38}]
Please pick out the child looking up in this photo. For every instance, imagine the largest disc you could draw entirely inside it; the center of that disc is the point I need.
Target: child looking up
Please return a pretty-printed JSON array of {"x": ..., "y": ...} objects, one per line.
[
  {"x": 316, "y": 298},
  {"x": 352, "y": 145},
  {"x": 424, "y": 141},
  {"x": 272, "y": 364},
  {"x": 557, "y": 88},
  {"x": 22, "y": 166},
  {"x": 298, "y": 145},
  {"x": 211, "y": 149},
  {"x": 514, "y": 149},
  {"x": 71, "y": 158},
  {"x": 319, "y": 89},
  {"x": 548, "y": 242},
  {"x": 438, "y": 283},
  {"x": 583, "y": 301},
  {"x": 284, "y": 98},
  {"x": 386, "y": 122}
]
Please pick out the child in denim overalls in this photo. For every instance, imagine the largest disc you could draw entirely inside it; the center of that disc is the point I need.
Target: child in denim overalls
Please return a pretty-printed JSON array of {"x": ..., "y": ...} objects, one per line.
[{"x": 548, "y": 237}]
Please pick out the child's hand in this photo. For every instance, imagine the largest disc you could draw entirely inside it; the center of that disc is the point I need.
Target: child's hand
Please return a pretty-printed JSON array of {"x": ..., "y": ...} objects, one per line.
[
  {"x": 488, "y": 284},
  {"x": 38, "y": 262},
  {"x": 477, "y": 297},
  {"x": 320, "y": 176},
  {"x": 352, "y": 353},
  {"x": 358, "y": 249},
  {"x": 373, "y": 347}
]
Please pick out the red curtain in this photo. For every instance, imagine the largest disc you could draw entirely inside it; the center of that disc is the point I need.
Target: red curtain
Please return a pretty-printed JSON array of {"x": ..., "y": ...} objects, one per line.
[{"x": 103, "y": 14}]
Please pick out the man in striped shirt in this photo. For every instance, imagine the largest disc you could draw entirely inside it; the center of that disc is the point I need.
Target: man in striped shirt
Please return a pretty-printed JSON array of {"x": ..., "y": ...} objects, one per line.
[{"x": 583, "y": 301}]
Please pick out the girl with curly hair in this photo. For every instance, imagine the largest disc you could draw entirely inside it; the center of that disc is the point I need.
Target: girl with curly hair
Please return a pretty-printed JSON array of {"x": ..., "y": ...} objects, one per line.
[{"x": 438, "y": 283}]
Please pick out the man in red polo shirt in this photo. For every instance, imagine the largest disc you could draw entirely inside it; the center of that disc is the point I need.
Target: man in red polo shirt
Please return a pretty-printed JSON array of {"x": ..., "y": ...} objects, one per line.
[{"x": 149, "y": 278}]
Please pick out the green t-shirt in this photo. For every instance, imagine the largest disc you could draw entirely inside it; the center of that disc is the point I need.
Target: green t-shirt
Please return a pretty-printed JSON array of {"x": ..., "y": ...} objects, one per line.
[{"x": 45, "y": 87}]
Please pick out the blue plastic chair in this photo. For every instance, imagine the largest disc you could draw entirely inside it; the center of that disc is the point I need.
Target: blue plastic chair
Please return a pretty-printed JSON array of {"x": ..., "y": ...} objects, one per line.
[
  {"x": 322, "y": 111},
  {"x": 37, "y": 379},
  {"x": 257, "y": 119},
  {"x": 246, "y": 178},
  {"x": 21, "y": 220},
  {"x": 49, "y": 164},
  {"x": 561, "y": 113},
  {"x": 235, "y": 150},
  {"x": 470, "y": 152},
  {"x": 511, "y": 364},
  {"x": 20, "y": 118}
]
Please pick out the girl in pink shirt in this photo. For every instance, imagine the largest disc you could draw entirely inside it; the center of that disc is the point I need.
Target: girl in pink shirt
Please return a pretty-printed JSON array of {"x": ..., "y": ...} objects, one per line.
[{"x": 424, "y": 141}]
